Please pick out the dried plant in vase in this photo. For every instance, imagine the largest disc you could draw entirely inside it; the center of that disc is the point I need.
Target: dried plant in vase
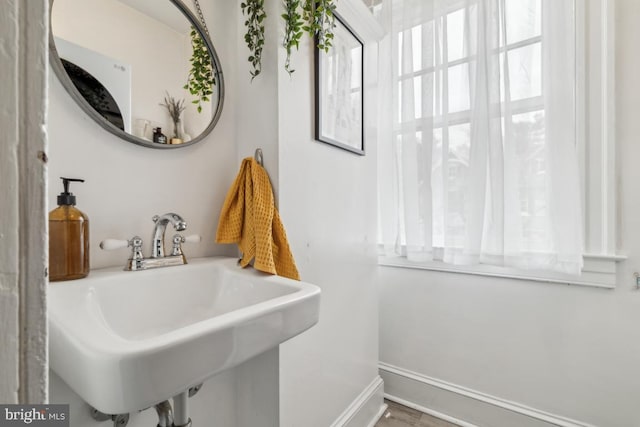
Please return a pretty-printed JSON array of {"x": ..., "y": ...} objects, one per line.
[{"x": 175, "y": 108}]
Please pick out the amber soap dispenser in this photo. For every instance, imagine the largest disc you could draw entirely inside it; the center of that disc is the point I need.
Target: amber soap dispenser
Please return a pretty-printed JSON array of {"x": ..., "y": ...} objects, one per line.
[{"x": 68, "y": 238}]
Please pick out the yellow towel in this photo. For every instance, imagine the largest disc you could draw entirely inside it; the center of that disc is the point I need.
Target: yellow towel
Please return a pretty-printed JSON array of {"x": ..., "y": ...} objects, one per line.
[{"x": 250, "y": 219}]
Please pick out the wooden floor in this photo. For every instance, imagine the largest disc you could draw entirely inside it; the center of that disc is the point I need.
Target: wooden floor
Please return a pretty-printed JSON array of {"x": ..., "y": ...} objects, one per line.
[{"x": 401, "y": 416}]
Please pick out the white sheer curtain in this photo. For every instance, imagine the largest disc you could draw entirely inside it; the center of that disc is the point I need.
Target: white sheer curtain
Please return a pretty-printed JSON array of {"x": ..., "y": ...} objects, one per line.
[{"x": 478, "y": 163}]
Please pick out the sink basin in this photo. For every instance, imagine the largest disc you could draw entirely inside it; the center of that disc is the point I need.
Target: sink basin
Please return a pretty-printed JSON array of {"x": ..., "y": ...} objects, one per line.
[{"x": 127, "y": 340}]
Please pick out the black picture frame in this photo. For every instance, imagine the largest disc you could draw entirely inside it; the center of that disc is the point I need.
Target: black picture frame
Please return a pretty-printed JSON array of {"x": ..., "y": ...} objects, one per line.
[{"x": 339, "y": 109}]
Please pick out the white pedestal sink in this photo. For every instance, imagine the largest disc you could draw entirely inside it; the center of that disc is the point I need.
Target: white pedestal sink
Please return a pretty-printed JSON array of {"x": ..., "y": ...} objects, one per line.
[{"x": 127, "y": 340}]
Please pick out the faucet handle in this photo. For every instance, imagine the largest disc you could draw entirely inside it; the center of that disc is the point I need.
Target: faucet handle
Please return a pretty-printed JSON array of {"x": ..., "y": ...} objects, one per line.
[
  {"x": 178, "y": 240},
  {"x": 135, "y": 243},
  {"x": 111, "y": 244},
  {"x": 136, "y": 248},
  {"x": 193, "y": 238}
]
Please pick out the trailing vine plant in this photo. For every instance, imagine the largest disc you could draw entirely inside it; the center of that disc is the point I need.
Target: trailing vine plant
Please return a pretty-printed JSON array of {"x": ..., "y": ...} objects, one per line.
[
  {"x": 315, "y": 17},
  {"x": 201, "y": 79},
  {"x": 320, "y": 21},
  {"x": 254, "y": 38},
  {"x": 293, "y": 30}
]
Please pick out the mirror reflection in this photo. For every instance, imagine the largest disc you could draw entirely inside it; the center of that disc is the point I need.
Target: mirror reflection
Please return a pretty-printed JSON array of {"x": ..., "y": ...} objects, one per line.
[{"x": 141, "y": 65}]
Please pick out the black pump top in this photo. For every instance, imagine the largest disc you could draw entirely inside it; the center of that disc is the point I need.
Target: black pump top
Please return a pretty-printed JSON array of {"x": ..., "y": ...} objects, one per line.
[{"x": 67, "y": 198}]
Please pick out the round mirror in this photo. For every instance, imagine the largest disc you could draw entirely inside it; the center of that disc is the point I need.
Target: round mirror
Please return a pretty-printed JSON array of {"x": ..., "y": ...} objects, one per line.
[{"x": 144, "y": 70}]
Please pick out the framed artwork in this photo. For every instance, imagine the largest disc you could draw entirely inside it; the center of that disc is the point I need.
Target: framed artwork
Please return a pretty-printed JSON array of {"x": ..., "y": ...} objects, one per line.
[{"x": 339, "y": 91}]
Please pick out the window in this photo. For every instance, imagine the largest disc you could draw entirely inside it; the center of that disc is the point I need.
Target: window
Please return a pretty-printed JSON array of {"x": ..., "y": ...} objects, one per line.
[{"x": 463, "y": 84}]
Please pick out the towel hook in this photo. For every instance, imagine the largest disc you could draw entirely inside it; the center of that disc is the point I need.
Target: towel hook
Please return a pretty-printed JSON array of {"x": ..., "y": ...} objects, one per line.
[{"x": 258, "y": 156}]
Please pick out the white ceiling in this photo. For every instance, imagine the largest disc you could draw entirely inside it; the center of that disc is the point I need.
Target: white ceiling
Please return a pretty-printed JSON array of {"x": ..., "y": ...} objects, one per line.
[{"x": 163, "y": 11}]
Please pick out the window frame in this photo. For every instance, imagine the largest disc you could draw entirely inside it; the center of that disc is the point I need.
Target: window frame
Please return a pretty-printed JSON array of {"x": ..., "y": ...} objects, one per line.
[{"x": 595, "y": 131}]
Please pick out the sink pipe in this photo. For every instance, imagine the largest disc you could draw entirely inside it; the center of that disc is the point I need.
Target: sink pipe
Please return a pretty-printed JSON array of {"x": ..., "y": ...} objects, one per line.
[
  {"x": 178, "y": 416},
  {"x": 165, "y": 414},
  {"x": 181, "y": 410}
]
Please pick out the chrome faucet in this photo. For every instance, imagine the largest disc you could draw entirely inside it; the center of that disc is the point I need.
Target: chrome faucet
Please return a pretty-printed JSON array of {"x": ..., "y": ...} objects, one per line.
[
  {"x": 158, "y": 258},
  {"x": 157, "y": 250}
]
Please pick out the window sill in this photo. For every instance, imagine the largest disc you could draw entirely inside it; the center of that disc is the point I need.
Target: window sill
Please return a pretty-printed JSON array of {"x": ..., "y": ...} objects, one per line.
[{"x": 599, "y": 270}]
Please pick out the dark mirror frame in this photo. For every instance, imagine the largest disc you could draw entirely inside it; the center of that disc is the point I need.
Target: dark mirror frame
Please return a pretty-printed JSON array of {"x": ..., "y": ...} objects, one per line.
[{"x": 59, "y": 70}]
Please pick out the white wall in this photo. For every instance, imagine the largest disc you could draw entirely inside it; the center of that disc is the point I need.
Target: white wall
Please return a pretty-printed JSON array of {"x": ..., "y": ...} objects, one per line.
[
  {"x": 569, "y": 351},
  {"x": 326, "y": 205},
  {"x": 244, "y": 396},
  {"x": 126, "y": 185},
  {"x": 328, "y": 373}
]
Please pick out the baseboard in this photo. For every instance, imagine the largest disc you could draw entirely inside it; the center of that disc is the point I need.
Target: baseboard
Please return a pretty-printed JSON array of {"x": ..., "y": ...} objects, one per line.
[
  {"x": 463, "y": 406},
  {"x": 378, "y": 415},
  {"x": 366, "y": 409}
]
